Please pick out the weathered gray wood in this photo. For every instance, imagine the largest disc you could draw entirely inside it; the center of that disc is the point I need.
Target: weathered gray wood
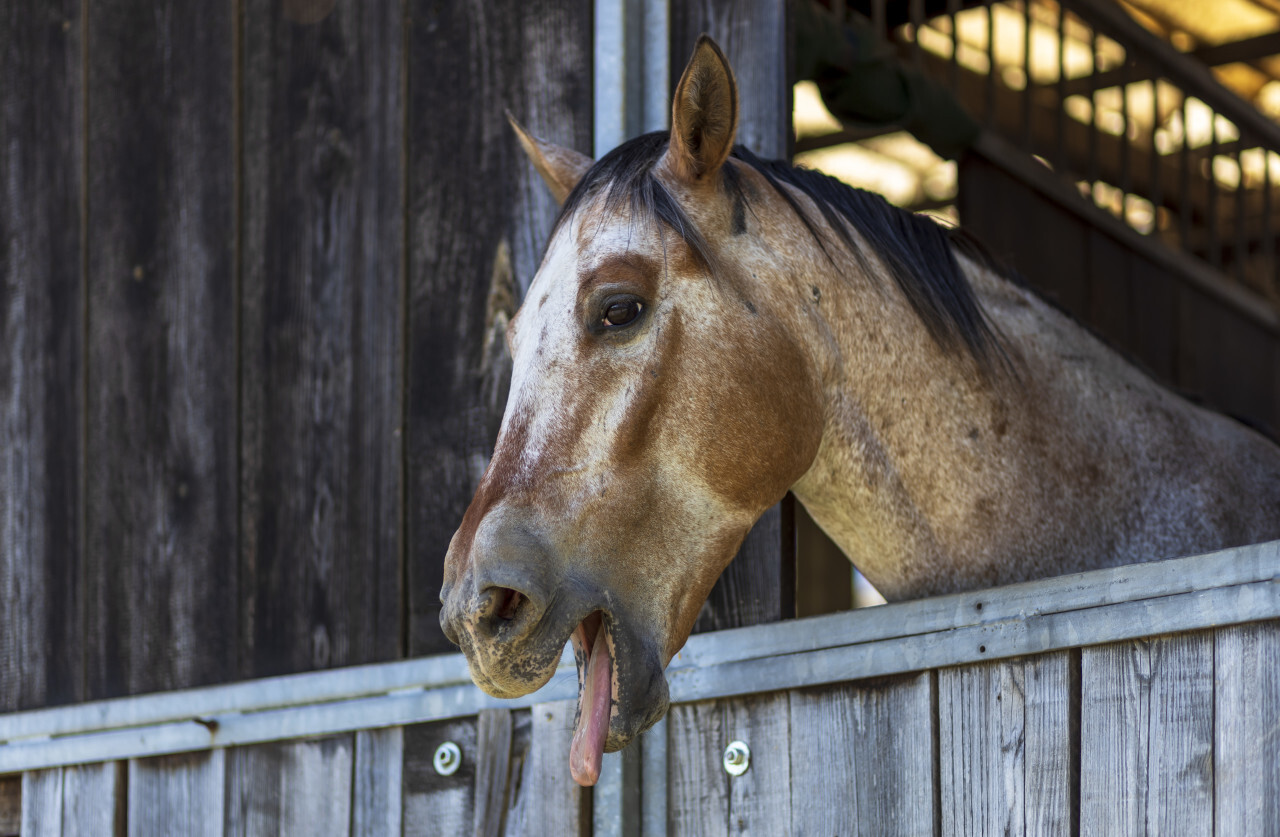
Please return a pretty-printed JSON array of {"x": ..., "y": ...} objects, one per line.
[
  {"x": 493, "y": 770},
  {"x": 1004, "y": 738},
  {"x": 42, "y": 803},
  {"x": 1146, "y": 737},
  {"x": 991, "y": 609},
  {"x": 321, "y": 336},
  {"x": 178, "y": 795},
  {"x": 41, "y": 349},
  {"x": 435, "y": 804},
  {"x": 377, "y": 801},
  {"x": 894, "y": 747},
  {"x": 479, "y": 216},
  {"x": 554, "y": 802},
  {"x": 703, "y": 798},
  {"x": 653, "y": 781},
  {"x": 1246, "y": 720},
  {"x": 615, "y": 799},
  {"x": 160, "y": 595},
  {"x": 295, "y": 788},
  {"x": 824, "y": 774},
  {"x": 1050, "y": 685},
  {"x": 67, "y": 801},
  {"x": 10, "y": 805}
]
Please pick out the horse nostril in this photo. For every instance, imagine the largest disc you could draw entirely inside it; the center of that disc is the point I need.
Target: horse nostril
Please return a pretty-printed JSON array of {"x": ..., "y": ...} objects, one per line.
[{"x": 500, "y": 605}]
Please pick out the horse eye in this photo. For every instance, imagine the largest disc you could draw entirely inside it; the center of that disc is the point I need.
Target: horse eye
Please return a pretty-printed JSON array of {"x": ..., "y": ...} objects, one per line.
[{"x": 621, "y": 312}]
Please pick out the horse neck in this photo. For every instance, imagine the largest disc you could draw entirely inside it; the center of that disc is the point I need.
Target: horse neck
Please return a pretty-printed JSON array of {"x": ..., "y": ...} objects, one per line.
[{"x": 934, "y": 477}]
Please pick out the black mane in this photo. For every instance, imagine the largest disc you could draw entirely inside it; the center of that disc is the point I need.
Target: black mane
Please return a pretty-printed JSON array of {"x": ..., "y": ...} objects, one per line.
[{"x": 919, "y": 254}]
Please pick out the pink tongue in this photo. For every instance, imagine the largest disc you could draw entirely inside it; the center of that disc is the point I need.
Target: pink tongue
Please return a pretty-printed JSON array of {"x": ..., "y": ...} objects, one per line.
[{"x": 587, "y": 750}]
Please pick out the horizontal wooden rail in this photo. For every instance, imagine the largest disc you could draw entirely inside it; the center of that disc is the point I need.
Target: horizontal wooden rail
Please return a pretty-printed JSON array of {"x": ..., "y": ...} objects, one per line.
[{"x": 1229, "y": 587}]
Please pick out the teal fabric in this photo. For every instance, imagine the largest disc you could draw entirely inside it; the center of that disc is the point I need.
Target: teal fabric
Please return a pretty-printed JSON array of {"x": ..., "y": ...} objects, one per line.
[{"x": 863, "y": 83}]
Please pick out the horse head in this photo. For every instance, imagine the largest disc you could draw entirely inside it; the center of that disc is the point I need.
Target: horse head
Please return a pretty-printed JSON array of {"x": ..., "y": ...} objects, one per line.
[{"x": 659, "y": 404}]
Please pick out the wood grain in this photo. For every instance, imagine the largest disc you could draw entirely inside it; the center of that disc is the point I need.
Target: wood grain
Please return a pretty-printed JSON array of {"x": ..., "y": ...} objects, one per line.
[
  {"x": 554, "y": 804},
  {"x": 291, "y": 788},
  {"x": 894, "y": 748},
  {"x": 321, "y": 337},
  {"x": 41, "y": 353},
  {"x": 179, "y": 795},
  {"x": 377, "y": 799},
  {"x": 84, "y": 799},
  {"x": 435, "y": 804},
  {"x": 1146, "y": 737},
  {"x": 1246, "y": 720},
  {"x": 160, "y": 589},
  {"x": 10, "y": 806},
  {"x": 1004, "y": 747},
  {"x": 479, "y": 217},
  {"x": 493, "y": 771}
]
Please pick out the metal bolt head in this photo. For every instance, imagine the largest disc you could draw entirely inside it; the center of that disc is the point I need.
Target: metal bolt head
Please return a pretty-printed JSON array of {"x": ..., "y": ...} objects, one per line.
[
  {"x": 448, "y": 758},
  {"x": 737, "y": 758}
]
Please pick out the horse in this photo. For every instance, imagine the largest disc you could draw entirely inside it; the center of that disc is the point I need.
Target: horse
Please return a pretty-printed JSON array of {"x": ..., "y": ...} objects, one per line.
[{"x": 708, "y": 330}]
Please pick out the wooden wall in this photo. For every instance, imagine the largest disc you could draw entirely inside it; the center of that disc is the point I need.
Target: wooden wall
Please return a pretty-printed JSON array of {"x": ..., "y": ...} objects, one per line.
[
  {"x": 1151, "y": 308},
  {"x": 252, "y": 255},
  {"x": 1163, "y": 734},
  {"x": 255, "y": 262}
]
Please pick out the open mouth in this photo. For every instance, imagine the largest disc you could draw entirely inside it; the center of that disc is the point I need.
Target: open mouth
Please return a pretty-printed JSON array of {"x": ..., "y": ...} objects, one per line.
[{"x": 593, "y": 649}]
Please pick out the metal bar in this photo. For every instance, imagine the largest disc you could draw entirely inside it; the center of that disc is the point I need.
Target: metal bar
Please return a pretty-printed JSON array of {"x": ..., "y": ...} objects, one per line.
[
  {"x": 1184, "y": 176},
  {"x": 1026, "y": 74},
  {"x": 657, "y": 65},
  {"x": 1154, "y": 176},
  {"x": 990, "y": 111},
  {"x": 1186, "y": 72},
  {"x": 1192, "y": 272},
  {"x": 915, "y": 12},
  {"x": 1242, "y": 247},
  {"x": 1059, "y": 158},
  {"x": 1092, "y": 174},
  {"x": 953, "y": 70},
  {"x": 1126, "y": 141},
  {"x": 1270, "y": 262},
  {"x": 1215, "y": 251}
]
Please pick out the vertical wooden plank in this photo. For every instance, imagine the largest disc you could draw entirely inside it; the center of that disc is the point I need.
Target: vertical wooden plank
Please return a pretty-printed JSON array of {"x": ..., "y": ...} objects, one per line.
[
  {"x": 181, "y": 794},
  {"x": 493, "y": 770},
  {"x": 93, "y": 798},
  {"x": 894, "y": 748},
  {"x": 291, "y": 788},
  {"x": 555, "y": 803},
  {"x": 321, "y": 340},
  {"x": 161, "y": 511},
  {"x": 1146, "y": 737},
  {"x": 980, "y": 723},
  {"x": 10, "y": 806},
  {"x": 703, "y": 798},
  {"x": 1050, "y": 685},
  {"x": 759, "y": 584},
  {"x": 1004, "y": 747},
  {"x": 823, "y": 772},
  {"x": 42, "y": 803},
  {"x": 41, "y": 353},
  {"x": 1246, "y": 719},
  {"x": 377, "y": 803},
  {"x": 698, "y": 788},
  {"x": 435, "y": 804},
  {"x": 478, "y": 219}
]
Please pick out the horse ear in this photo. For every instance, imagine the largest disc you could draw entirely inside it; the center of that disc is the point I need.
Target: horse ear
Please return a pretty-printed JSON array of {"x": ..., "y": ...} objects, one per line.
[
  {"x": 704, "y": 114},
  {"x": 560, "y": 167}
]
